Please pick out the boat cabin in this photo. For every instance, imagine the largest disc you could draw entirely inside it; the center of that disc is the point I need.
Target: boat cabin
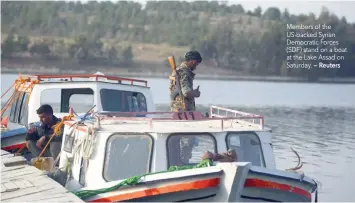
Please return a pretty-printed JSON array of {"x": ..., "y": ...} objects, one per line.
[
  {"x": 79, "y": 92},
  {"x": 112, "y": 147}
]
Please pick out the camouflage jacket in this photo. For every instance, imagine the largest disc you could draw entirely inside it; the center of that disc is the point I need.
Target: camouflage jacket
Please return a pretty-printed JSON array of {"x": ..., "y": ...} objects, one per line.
[{"x": 186, "y": 81}]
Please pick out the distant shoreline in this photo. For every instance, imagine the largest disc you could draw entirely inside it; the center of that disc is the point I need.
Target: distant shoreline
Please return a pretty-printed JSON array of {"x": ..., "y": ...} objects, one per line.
[
  {"x": 198, "y": 76},
  {"x": 144, "y": 69}
]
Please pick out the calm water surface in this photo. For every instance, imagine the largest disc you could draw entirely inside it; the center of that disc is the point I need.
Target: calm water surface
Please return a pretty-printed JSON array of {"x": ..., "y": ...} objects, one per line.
[{"x": 318, "y": 120}]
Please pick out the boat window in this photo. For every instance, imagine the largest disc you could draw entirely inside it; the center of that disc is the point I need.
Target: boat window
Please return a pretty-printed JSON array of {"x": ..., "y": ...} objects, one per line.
[
  {"x": 127, "y": 156},
  {"x": 247, "y": 146},
  {"x": 80, "y": 99},
  {"x": 12, "y": 112},
  {"x": 123, "y": 101},
  {"x": 15, "y": 108},
  {"x": 188, "y": 149},
  {"x": 24, "y": 110}
]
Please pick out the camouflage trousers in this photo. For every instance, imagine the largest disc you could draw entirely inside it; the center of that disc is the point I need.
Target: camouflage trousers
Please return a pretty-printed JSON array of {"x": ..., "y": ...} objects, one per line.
[{"x": 176, "y": 105}]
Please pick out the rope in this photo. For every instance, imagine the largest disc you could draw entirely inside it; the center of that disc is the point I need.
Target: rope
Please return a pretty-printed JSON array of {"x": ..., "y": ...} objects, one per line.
[
  {"x": 86, "y": 143},
  {"x": 11, "y": 97},
  {"x": 57, "y": 131},
  {"x": 17, "y": 94},
  {"x": 84, "y": 194},
  {"x": 33, "y": 83},
  {"x": 7, "y": 90}
]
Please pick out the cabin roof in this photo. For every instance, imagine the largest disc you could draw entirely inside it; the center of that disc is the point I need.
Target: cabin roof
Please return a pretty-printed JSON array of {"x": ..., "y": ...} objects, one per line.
[
  {"x": 176, "y": 126},
  {"x": 175, "y": 122},
  {"x": 71, "y": 78}
]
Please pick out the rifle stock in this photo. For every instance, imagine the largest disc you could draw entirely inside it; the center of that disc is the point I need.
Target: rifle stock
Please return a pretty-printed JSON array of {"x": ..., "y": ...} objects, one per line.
[{"x": 172, "y": 63}]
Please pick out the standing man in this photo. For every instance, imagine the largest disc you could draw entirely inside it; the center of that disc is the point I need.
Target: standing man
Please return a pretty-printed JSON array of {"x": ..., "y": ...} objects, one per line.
[
  {"x": 37, "y": 137},
  {"x": 185, "y": 71}
]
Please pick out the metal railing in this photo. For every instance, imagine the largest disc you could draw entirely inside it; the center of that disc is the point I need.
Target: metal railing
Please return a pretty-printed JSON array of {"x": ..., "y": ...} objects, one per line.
[
  {"x": 88, "y": 77},
  {"x": 225, "y": 117},
  {"x": 221, "y": 112}
]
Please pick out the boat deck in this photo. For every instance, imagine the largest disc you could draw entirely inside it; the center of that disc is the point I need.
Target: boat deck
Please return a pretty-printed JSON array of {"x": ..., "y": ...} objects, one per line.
[{"x": 23, "y": 183}]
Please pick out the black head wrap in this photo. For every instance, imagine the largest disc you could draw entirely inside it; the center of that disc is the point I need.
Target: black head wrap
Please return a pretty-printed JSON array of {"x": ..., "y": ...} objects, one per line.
[{"x": 193, "y": 55}]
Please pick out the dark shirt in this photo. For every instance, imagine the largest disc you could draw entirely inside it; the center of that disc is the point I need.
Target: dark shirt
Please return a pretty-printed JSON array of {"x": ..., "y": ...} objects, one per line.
[{"x": 45, "y": 130}]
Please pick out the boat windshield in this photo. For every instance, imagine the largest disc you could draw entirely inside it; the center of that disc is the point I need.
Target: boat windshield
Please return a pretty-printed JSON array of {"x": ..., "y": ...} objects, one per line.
[
  {"x": 127, "y": 156},
  {"x": 247, "y": 146},
  {"x": 122, "y": 101},
  {"x": 188, "y": 149}
]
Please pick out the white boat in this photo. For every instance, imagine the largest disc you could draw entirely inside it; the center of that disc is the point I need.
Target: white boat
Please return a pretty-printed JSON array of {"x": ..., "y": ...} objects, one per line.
[
  {"x": 30, "y": 91},
  {"x": 103, "y": 151}
]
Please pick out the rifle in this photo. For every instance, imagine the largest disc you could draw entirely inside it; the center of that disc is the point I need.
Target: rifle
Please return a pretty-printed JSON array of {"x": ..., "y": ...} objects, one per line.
[{"x": 171, "y": 60}]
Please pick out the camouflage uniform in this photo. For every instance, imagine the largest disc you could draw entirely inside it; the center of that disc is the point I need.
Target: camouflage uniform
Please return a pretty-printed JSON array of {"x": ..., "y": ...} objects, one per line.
[{"x": 186, "y": 82}]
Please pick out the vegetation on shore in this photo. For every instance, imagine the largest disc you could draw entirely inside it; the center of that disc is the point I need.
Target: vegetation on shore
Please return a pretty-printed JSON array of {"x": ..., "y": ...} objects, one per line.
[{"x": 119, "y": 33}]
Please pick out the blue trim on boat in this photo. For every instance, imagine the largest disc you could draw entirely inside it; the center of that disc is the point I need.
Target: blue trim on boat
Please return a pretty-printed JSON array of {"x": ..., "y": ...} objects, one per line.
[
  {"x": 17, "y": 131},
  {"x": 14, "y": 132},
  {"x": 259, "y": 198}
]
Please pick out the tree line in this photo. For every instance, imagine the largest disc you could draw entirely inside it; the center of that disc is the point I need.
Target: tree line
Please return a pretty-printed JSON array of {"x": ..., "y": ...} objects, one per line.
[{"x": 249, "y": 42}]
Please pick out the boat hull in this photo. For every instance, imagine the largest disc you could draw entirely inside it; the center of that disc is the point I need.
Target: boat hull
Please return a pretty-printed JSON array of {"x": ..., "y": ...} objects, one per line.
[
  {"x": 13, "y": 140},
  {"x": 264, "y": 185},
  {"x": 201, "y": 190},
  {"x": 223, "y": 182}
]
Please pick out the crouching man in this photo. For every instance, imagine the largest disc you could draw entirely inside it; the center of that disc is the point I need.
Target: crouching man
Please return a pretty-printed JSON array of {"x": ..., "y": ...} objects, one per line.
[{"x": 38, "y": 136}]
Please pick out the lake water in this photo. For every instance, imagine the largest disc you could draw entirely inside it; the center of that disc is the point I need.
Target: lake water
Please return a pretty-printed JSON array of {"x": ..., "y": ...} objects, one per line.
[{"x": 318, "y": 120}]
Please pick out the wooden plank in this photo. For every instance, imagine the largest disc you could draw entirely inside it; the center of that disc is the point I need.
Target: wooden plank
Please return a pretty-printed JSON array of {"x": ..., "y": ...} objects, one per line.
[
  {"x": 30, "y": 177},
  {"x": 60, "y": 195},
  {"x": 66, "y": 199},
  {"x": 24, "y": 183},
  {"x": 24, "y": 192},
  {"x": 19, "y": 169},
  {"x": 41, "y": 192},
  {"x": 45, "y": 180},
  {"x": 3, "y": 188},
  {"x": 38, "y": 197},
  {"x": 55, "y": 189},
  {"x": 3, "y": 152},
  {"x": 58, "y": 198},
  {"x": 49, "y": 194},
  {"x": 10, "y": 187},
  {"x": 14, "y": 161},
  {"x": 16, "y": 174},
  {"x": 27, "y": 183},
  {"x": 11, "y": 168},
  {"x": 6, "y": 156}
]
